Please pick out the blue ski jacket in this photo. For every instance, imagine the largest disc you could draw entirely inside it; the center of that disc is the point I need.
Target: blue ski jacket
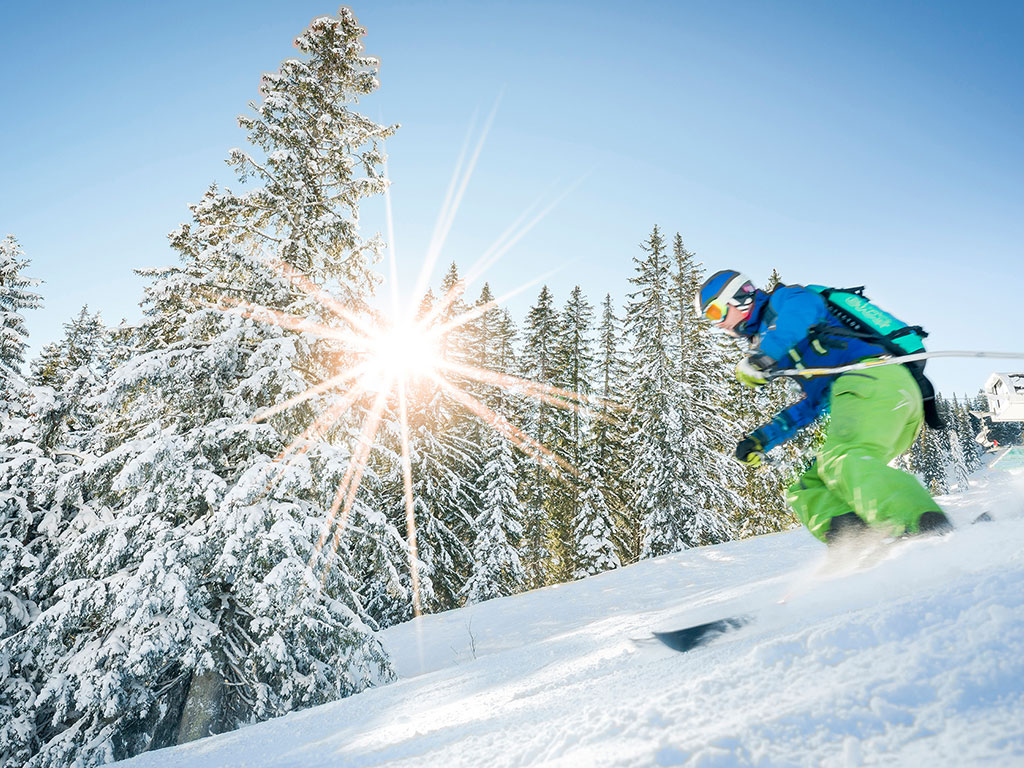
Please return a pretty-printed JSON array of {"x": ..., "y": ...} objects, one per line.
[{"x": 780, "y": 326}]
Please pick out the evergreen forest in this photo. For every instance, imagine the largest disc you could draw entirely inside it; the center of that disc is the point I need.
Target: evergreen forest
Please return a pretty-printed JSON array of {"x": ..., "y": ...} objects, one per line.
[{"x": 199, "y": 528}]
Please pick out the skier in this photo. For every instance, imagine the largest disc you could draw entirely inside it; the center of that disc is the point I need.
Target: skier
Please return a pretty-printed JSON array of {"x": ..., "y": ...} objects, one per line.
[{"x": 876, "y": 413}]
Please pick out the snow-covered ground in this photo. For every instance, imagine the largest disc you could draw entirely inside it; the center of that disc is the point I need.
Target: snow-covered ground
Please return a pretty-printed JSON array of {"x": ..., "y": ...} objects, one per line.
[{"x": 916, "y": 661}]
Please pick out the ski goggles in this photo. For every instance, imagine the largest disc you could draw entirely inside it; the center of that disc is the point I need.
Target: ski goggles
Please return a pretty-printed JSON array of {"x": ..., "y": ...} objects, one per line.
[{"x": 717, "y": 310}]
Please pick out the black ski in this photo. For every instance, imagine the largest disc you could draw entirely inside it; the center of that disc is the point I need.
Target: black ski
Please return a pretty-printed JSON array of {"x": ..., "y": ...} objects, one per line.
[
  {"x": 698, "y": 635},
  {"x": 687, "y": 639}
]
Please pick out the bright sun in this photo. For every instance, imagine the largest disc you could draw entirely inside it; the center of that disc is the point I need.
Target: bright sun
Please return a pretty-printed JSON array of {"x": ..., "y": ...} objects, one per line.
[{"x": 405, "y": 351}]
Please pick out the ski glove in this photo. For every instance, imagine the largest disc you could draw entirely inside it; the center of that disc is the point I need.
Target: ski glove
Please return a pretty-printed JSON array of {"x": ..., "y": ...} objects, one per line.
[
  {"x": 750, "y": 451},
  {"x": 751, "y": 370}
]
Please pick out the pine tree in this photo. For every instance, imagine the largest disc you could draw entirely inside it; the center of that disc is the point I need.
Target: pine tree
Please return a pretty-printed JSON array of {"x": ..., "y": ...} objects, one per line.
[
  {"x": 965, "y": 428},
  {"x": 497, "y": 569},
  {"x": 928, "y": 457},
  {"x": 444, "y": 465},
  {"x": 593, "y": 533},
  {"x": 498, "y": 528},
  {"x": 83, "y": 344},
  {"x": 962, "y": 474},
  {"x": 479, "y": 335},
  {"x": 609, "y": 442},
  {"x": 652, "y": 392},
  {"x": 538, "y": 363},
  {"x": 15, "y": 402},
  {"x": 70, "y": 376},
  {"x": 708, "y": 469},
  {"x": 15, "y": 296},
  {"x": 187, "y": 605},
  {"x": 27, "y": 479},
  {"x": 574, "y": 361}
]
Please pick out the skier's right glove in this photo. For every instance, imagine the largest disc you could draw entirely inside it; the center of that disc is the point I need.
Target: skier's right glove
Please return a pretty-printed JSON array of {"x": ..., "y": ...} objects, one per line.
[
  {"x": 752, "y": 371},
  {"x": 750, "y": 451}
]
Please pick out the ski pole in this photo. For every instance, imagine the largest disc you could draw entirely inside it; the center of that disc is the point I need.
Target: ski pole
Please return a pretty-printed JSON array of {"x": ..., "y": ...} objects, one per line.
[{"x": 899, "y": 360}]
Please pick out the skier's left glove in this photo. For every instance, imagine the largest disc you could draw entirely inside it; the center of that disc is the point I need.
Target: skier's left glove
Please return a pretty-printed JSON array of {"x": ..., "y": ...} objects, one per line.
[
  {"x": 750, "y": 451},
  {"x": 752, "y": 371}
]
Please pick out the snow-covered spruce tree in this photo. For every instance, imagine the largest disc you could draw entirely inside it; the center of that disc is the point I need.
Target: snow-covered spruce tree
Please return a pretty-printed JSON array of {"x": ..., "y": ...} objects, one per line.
[
  {"x": 928, "y": 457},
  {"x": 188, "y": 606},
  {"x": 57, "y": 436},
  {"x": 15, "y": 296},
  {"x": 497, "y": 530},
  {"x": 940, "y": 458},
  {"x": 479, "y": 347},
  {"x": 379, "y": 553},
  {"x": 83, "y": 343},
  {"x": 69, "y": 376},
  {"x": 497, "y": 569},
  {"x": 961, "y": 474},
  {"x": 705, "y": 432},
  {"x": 608, "y": 448},
  {"x": 593, "y": 534},
  {"x": 538, "y": 363},
  {"x": 443, "y": 470},
  {"x": 574, "y": 362},
  {"x": 657, "y": 461},
  {"x": 445, "y": 464},
  {"x": 964, "y": 427},
  {"x": 26, "y": 482},
  {"x": 461, "y": 345},
  {"x": 17, "y": 449}
]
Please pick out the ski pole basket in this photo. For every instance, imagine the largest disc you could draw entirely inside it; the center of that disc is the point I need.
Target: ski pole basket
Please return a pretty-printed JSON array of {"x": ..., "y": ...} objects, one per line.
[{"x": 1005, "y": 394}]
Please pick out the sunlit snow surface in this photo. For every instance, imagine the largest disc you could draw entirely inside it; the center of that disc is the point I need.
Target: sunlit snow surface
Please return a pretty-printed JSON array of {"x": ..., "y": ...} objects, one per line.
[{"x": 916, "y": 661}]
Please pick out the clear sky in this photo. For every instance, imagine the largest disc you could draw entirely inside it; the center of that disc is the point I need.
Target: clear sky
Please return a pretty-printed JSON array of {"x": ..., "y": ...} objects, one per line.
[{"x": 874, "y": 143}]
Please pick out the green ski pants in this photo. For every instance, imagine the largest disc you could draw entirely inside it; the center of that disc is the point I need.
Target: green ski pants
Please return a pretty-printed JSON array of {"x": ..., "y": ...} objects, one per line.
[{"x": 876, "y": 414}]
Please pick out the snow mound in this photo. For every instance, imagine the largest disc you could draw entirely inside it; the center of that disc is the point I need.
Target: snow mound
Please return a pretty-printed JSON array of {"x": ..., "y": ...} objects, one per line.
[{"x": 916, "y": 660}]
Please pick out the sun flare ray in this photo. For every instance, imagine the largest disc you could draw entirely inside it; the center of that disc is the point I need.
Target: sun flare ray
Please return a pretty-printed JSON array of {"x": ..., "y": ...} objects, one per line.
[
  {"x": 504, "y": 427},
  {"x": 410, "y": 506},
  {"x": 557, "y": 396},
  {"x": 350, "y": 483},
  {"x": 385, "y": 361}
]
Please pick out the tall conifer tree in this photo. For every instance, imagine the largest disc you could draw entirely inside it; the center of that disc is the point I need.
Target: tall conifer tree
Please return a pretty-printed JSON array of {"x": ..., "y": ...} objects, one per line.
[
  {"x": 652, "y": 392},
  {"x": 498, "y": 529},
  {"x": 497, "y": 570},
  {"x": 593, "y": 534},
  {"x": 194, "y": 609},
  {"x": 708, "y": 470},
  {"x": 574, "y": 361},
  {"x": 539, "y": 363},
  {"x": 27, "y": 479},
  {"x": 609, "y": 450},
  {"x": 71, "y": 375},
  {"x": 15, "y": 297}
]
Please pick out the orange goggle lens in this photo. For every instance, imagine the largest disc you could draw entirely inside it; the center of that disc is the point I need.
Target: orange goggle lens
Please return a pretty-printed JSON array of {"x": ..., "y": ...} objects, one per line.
[{"x": 715, "y": 312}]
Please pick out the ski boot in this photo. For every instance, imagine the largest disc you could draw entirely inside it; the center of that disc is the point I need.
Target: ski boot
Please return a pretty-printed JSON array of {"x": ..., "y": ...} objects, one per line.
[
  {"x": 933, "y": 523},
  {"x": 844, "y": 530}
]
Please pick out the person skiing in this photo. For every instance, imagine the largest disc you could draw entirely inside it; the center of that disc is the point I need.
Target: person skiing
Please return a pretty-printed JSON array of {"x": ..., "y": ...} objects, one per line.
[{"x": 876, "y": 413}]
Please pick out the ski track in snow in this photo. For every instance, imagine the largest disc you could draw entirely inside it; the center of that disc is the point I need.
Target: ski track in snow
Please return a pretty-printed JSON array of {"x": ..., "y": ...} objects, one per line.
[{"x": 918, "y": 660}]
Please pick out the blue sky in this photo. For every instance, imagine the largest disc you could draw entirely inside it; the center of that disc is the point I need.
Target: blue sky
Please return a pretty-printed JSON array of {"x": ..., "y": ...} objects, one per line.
[{"x": 873, "y": 143}]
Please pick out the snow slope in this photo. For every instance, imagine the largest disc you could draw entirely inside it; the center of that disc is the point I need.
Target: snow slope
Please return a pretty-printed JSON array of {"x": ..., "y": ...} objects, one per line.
[{"x": 917, "y": 660}]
